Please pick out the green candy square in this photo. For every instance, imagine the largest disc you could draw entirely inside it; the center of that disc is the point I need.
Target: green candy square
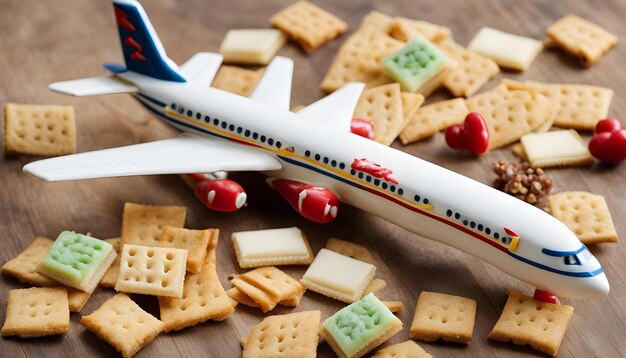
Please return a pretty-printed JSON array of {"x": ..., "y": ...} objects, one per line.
[
  {"x": 415, "y": 64},
  {"x": 360, "y": 323},
  {"x": 73, "y": 258}
]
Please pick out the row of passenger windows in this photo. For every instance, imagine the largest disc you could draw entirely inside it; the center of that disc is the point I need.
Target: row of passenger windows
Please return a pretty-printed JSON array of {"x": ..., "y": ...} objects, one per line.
[
  {"x": 231, "y": 127},
  {"x": 333, "y": 163},
  {"x": 480, "y": 227}
]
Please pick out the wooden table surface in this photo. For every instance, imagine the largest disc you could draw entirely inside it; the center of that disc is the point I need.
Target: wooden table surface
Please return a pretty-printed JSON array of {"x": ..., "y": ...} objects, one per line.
[{"x": 46, "y": 41}]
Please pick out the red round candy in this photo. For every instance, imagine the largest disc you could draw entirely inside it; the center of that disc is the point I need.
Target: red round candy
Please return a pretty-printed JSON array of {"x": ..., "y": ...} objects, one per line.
[
  {"x": 362, "y": 127},
  {"x": 608, "y": 125},
  {"x": 221, "y": 194},
  {"x": 609, "y": 147},
  {"x": 455, "y": 137},
  {"x": 476, "y": 133},
  {"x": 545, "y": 296}
]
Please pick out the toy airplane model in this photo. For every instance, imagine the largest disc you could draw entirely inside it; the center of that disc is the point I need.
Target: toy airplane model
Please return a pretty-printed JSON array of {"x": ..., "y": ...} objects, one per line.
[{"x": 314, "y": 161}]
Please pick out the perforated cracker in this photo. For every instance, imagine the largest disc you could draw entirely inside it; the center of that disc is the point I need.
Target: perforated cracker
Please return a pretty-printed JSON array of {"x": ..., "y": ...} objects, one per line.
[
  {"x": 237, "y": 80},
  {"x": 394, "y": 306},
  {"x": 411, "y": 102},
  {"x": 408, "y": 349},
  {"x": 379, "y": 45},
  {"x": 510, "y": 114},
  {"x": 39, "y": 129},
  {"x": 586, "y": 214},
  {"x": 268, "y": 286},
  {"x": 290, "y": 335},
  {"x": 24, "y": 266},
  {"x": 351, "y": 249},
  {"x": 375, "y": 286},
  {"x": 347, "y": 65},
  {"x": 203, "y": 298},
  {"x": 524, "y": 320},
  {"x": 239, "y": 297},
  {"x": 383, "y": 107},
  {"x": 377, "y": 20},
  {"x": 110, "y": 277},
  {"x": 556, "y": 149},
  {"x": 472, "y": 72},
  {"x": 143, "y": 224},
  {"x": 262, "y": 299},
  {"x": 579, "y": 106},
  {"x": 123, "y": 324},
  {"x": 308, "y": 25},
  {"x": 77, "y": 260},
  {"x": 405, "y": 29},
  {"x": 36, "y": 312},
  {"x": 158, "y": 271},
  {"x": 580, "y": 38},
  {"x": 195, "y": 242},
  {"x": 448, "y": 317},
  {"x": 360, "y": 327},
  {"x": 76, "y": 299},
  {"x": 433, "y": 118}
]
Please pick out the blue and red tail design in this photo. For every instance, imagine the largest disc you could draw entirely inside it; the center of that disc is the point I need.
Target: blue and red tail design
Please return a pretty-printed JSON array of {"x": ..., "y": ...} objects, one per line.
[{"x": 143, "y": 51}]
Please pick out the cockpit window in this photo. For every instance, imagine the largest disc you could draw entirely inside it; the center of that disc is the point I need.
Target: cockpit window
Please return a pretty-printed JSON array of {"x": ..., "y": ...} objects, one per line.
[
  {"x": 576, "y": 257},
  {"x": 571, "y": 260}
]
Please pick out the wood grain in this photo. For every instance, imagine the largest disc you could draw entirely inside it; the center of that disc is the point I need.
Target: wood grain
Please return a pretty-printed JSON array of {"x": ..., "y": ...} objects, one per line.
[{"x": 46, "y": 41}]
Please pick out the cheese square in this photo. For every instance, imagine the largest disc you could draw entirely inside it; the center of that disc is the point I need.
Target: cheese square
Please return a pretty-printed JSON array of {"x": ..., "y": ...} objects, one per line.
[
  {"x": 557, "y": 148},
  {"x": 338, "y": 276},
  {"x": 508, "y": 50},
  {"x": 272, "y": 247},
  {"x": 77, "y": 260},
  {"x": 251, "y": 46}
]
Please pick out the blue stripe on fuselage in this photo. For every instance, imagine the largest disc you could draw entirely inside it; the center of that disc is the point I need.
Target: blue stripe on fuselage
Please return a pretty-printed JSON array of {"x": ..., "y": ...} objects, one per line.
[{"x": 550, "y": 269}]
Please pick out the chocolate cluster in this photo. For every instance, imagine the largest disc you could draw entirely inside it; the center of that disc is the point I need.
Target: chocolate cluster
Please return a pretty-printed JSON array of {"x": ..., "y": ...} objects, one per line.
[{"x": 521, "y": 180}]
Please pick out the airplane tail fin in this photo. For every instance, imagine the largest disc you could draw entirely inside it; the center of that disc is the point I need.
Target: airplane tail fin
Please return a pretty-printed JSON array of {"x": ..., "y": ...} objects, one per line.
[{"x": 143, "y": 51}]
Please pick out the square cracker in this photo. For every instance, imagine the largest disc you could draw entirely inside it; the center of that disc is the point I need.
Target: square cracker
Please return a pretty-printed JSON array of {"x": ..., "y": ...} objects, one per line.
[
  {"x": 262, "y": 299},
  {"x": 348, "y": 63},
  {"x": 394, "y": 306},
  {"x": 377, "y": 20},
  {"x": 36, "y": 312},
  {"x": 158, "y": 271},
  {"x": 448, "y": 317},
  {"x": 579, "y": 106},
  {"x": 351, "y": 249},
  {"x": 580, "y": 38},
  {"x": 195, "y": 242},
  {"x": 237, "y": 80},
  {"x": 411, "y": 103},
  {"x": 290, "y": 335},
  {"x": 555, "y": 149},
  {"x": 586, "y": 214},
  {"x": 375, "y": 286},
  {"x": 143, "y": 224},
  {"x": 123, "y": 324},
  {"x": 110, "y": 277},
  {"x": 24, "y": 266},
  {"x": 39, "y": 129},
  {"x": 274, "y": 286},
  {"x": 239, "y": 297},
  {"x": 405, "y": 29},
  {"x": 408, "y": 349},
  {"x": 383, "y": 107},
  {"x": 527, "y": 321},
  {"x": 76, "y": 299},
  {"x": 203, "y": 298},
  {"x": 308, "y": 25},
  {"x": 472, "y": 71},
  {"x": 433, "y": 118},
  {"x": 511, "y": 114}
]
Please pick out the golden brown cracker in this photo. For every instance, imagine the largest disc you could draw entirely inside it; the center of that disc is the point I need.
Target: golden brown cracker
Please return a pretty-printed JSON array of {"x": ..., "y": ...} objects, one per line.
[
  {"x": 375, "y": 286},
  {"x": 36, "y": 312},
  {"x": 76, "y": 299},
  {"x": 123, "y": 324},
  {"x": 394, "y": 306},
  {"x": 262, "y": 299},
  {"x": 203, "y": 298},
  {"x": 39, "y": 129},
  {"x": 196, "y": 242},
  {"x": 377, "y": 20},
  {"x": 448, "y": 317},
  {"x": 237, "y": 80},
  {"x": 290, "y": 335},
  {"x": 273, "y": 281},
  {"x": 527, "y": 321},
  {"x": 24, "y": 266},
  {"x": 405, "y": 29},
  {"x": 472, "y": 72},
  {"x": 308, "y": 25},
  {"x": 351, "y": 249},
  {"x": 407, "y": 349},
  {"x": 586, "y": 214},
  {"x": 580, "y": 38},
  {"x": 510, "y": 114},
  {"x": 433, "y": 118},
  {"x": 143, "y": 224},
  {"x": 411, "y": 103},
  {"x": 383, "y": 107}
]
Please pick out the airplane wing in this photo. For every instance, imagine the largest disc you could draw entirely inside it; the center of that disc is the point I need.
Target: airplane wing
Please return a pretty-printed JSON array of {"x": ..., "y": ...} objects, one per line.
[
  {"x": 93, "y": 86},
  {"x": 185, "y": 154},
  {"x": 337, "y": 108},
  {"x": 202, "y": 67},
  {"x": 274, "y": 88}
]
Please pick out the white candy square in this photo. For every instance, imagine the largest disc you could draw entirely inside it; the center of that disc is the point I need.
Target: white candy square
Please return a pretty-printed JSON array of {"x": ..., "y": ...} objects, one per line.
[
  {"x": 508, "y": 50},
  {"x": 557, "y": 148},
  {"x": 252, "y": 46},
  {"x": 272, "y": 247}
]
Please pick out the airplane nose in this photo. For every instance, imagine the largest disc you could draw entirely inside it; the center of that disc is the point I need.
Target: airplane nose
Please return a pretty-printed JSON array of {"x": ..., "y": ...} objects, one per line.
[{"x": 597, "y": 287}]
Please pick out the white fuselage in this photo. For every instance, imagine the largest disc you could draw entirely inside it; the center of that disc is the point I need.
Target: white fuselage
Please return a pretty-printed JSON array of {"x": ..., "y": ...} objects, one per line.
[{"x": 428, "y": 200}]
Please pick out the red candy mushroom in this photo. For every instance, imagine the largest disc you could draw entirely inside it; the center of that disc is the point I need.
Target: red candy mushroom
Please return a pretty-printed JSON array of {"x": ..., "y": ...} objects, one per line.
[
  {"x": 472, "y": 135},
  {"x": 609, "y": 142}
]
